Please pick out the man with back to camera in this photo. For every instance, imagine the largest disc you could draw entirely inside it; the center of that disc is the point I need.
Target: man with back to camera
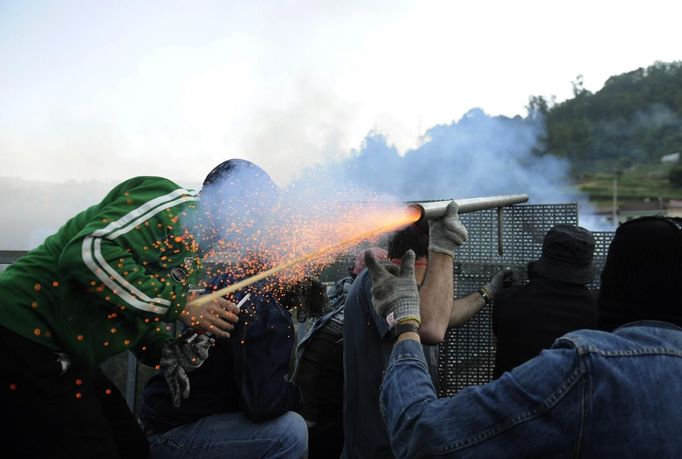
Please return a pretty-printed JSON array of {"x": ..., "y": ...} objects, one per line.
[
  {"x": 555, "y": 301},
  {"x": 607, "y": 393},
  {"x": 319, "y": 369},
  {"x": 100, "y": 286},
  {"x": 367, "y": 335}
]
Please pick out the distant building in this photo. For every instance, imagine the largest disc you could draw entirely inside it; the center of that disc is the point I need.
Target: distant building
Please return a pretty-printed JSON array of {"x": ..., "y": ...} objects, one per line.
[
  {"x": 630, "y": 209},
  {"x": 674, "y": 208},
  {"x": 671, "y": 158}
]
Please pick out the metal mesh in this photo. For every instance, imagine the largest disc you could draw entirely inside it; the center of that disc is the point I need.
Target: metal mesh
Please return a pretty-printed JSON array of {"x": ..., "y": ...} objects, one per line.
[
  {"x": 467, "y": 356},
  {"x": 602, "y": 241}
]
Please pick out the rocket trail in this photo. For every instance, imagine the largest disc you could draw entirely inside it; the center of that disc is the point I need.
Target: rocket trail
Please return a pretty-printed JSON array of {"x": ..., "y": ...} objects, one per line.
[{"x": 408, "y": 217}]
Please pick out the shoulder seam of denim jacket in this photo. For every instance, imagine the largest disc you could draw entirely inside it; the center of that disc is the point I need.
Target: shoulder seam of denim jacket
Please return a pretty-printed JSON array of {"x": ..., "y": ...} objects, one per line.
[
  {"x": 650, "y": 323},
  {"x": 554, "y": 398},
  {"x": 637, "y": 352},
  {"x": 584, "y": 348}
]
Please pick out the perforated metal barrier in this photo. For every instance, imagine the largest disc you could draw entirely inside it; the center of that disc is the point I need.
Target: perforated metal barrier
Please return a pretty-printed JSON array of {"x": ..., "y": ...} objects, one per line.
[{"x": 467, "y": 357}]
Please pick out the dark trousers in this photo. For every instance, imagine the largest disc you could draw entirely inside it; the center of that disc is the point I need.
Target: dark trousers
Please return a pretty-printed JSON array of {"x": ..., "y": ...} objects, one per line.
[
  {"x": 320, "y": 377},
  {"x": 325, "y": 439},
  {"x": 79, "y": 414}
]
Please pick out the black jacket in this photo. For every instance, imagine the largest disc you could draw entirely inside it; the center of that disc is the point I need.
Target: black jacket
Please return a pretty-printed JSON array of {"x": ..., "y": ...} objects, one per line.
[
  {"x": 247, "y": 372},
  {"x": 528, "y": 319}
]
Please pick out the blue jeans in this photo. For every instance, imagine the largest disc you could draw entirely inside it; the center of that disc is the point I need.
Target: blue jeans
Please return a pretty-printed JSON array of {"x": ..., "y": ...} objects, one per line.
[{"x": 233, "y": 435}]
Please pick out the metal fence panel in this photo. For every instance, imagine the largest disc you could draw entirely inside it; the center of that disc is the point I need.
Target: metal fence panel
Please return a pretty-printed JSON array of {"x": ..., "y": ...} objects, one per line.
[{"x": 467, "y": 356}]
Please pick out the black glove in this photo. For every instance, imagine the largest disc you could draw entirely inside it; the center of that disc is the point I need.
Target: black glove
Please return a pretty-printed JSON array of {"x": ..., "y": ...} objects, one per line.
[
  {"x": 394, "y": 289},
  {"x": 309, "y": 295},
  {"x": 179, "y": 358},
  {"x": 496, "y": 283}
]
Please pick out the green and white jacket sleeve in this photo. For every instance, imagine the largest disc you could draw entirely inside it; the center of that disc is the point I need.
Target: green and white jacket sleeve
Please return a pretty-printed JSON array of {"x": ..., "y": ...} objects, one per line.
[{"x": 134, "y": 252}]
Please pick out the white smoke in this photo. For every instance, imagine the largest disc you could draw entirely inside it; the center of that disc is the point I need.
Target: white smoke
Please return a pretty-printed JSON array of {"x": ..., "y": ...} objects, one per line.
[{"x": 478, "y": 155}]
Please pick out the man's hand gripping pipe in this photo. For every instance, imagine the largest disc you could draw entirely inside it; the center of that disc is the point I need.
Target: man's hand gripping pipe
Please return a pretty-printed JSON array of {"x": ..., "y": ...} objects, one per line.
[{"x": 191, "y": 334}]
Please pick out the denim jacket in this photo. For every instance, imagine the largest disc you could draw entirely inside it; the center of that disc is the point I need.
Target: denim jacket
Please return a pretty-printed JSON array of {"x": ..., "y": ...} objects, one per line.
[{"x": 593, "y": 394}]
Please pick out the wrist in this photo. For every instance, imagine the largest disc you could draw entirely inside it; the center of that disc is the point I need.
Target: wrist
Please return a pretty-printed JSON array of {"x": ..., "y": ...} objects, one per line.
[
  {"x": 408, "y": 327},
  {"x": 408, "y": 335},
  {"x": 403, "y": 310},
  {"x": 445, "y": 250},
  {"x": 486, "y": 294}
]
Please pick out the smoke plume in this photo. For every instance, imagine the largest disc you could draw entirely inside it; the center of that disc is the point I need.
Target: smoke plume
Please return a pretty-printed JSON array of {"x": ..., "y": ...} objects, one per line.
[{"x": 478, "y": 155}]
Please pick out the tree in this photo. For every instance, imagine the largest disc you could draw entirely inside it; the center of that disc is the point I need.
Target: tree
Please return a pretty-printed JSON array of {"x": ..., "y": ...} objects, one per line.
[
  {"x": 579, "y": 86},
  {"x": 539, "y": 106},
  {"x": 675, "y": 175}
]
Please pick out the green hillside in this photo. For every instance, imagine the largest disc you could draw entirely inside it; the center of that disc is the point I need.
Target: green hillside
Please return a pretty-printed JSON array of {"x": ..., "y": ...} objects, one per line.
[
  {"x": 639, "y": 182},
  {"x": 624, "y": 128}
]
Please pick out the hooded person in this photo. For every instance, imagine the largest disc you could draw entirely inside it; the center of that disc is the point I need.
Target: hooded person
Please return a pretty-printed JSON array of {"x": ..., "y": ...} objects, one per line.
[
  {"x": 556, "y": 300},
  {"x": 237, "y": 197},
  {"x": 642, "y": 276},
  {"x": 594, "y": 393},
  {"x": 102, "y": 285},
  {"x": 319, "y": 367},
  {"x": 242, "y": 404}
]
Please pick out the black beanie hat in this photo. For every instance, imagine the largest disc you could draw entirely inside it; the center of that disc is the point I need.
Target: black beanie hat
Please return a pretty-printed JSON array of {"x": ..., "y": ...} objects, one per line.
[
  {"x": 235, "y": 192},
  {"x": 642, "y": 277},
  {"x": 241, "y": 170},
  {"x": 567, "y": 252}
]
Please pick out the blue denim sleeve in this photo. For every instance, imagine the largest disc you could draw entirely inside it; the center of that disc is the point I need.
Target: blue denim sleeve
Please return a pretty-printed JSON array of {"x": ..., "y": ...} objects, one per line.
[{"x": 536, "y": 410}]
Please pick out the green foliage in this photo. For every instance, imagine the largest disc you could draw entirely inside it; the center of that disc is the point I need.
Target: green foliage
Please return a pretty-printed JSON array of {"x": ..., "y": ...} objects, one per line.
[
  {"x": 637, "y": 182},
  {"x": 636, "y": 116},
  {"x": 675, "y": 175}
]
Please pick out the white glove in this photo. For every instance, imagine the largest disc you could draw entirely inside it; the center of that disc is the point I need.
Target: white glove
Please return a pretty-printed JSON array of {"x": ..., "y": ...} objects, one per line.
[
  {"x": 447, "y": 232},
  {"x": 179, "y": 358}
]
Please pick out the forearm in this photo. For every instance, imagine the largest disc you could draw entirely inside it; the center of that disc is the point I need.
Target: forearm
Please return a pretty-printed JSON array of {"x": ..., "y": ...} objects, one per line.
[
  {"x": 464, "y": 309},
  {"x": 508, "y": 414},
  {"x": 406, "y": 393},
  {"x": 436, "y": 298}
]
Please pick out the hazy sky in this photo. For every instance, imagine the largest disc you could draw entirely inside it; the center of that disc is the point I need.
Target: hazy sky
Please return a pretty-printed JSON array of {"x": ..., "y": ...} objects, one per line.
[{"x": 109, "y": 90}]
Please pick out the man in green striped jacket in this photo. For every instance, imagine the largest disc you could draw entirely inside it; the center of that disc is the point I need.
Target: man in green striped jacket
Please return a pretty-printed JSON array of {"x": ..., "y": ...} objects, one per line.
[{"x": 104, "y": 283}]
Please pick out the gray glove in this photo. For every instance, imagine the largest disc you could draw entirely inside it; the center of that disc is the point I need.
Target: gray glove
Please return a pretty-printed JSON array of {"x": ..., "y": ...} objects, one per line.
[
  {"x": 179, "y": 358},
  {"x": 394, "y": 289},
  {"x": 447, "y": 232},
  {"x": 497, "y": 283}
]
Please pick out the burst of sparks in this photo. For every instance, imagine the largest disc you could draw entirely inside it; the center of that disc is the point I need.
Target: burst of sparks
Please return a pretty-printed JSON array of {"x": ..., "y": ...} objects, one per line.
[{"x": 301, "y": 242}]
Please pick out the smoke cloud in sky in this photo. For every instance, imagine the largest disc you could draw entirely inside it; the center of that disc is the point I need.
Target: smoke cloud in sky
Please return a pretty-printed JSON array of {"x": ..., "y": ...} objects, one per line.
[
  {"x": 170, "y": 88},
  {"x": 478, "y": 155}
]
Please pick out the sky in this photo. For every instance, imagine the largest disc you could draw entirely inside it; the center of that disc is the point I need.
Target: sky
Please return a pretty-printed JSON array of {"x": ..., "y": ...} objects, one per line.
[
  {"x": 93, "y": 93},
  {"x": 103, "y": 91}
]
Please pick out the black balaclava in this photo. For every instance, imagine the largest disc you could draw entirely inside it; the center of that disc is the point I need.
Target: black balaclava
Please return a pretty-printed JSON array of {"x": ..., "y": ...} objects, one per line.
[
  {"x": 642, "y": 277},
  {"x": 235, "y": 194}
]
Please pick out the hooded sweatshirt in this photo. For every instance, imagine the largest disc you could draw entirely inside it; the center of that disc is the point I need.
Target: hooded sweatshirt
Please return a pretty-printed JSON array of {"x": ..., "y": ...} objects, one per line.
[{"x": 104, "y": 282}]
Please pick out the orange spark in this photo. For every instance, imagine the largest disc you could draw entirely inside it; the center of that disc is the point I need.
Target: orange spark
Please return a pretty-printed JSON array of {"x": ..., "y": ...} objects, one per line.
[{"x": 318, "y": 240}]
